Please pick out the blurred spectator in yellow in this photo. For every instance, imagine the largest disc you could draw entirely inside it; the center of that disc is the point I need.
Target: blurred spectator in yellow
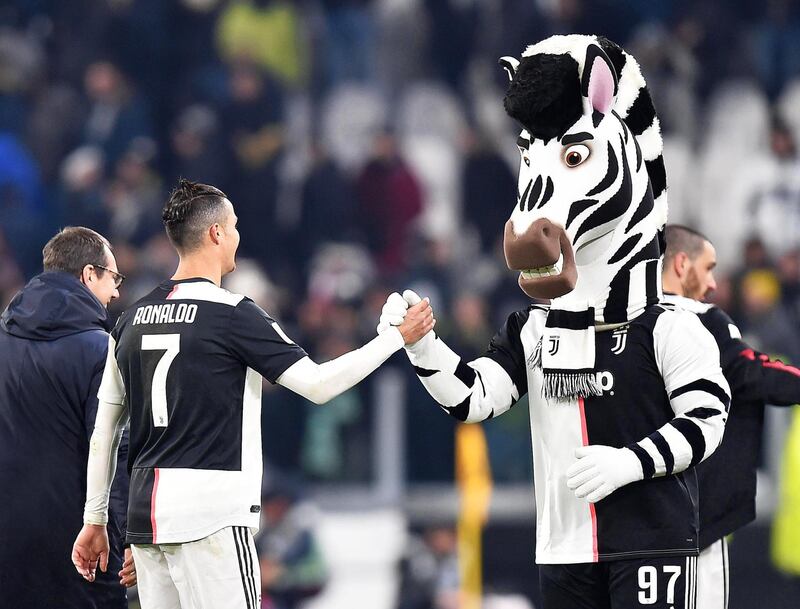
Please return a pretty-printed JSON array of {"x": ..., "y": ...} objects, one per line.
[
  {"x": 764, "y": 317},
  {"x": 266, "y": 32}
]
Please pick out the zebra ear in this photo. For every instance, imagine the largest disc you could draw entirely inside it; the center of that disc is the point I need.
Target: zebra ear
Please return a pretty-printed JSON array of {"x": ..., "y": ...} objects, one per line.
[
  {"x": 510, "y": 65},
  {"x": 599, "y": 80}
]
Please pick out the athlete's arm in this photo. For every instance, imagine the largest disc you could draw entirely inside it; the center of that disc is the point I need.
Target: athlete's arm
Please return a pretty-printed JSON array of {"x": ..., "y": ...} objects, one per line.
[
  {"x": 91, "y": 545},
  {"x": 753, "y": 376},
  {"x": 481, "y": 389},
  {"x": 322, "y": 382}
]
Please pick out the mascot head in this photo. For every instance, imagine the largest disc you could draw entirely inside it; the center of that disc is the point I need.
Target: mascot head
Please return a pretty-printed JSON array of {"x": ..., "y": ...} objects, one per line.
[
  {"x": 585, "y": 231},
  {"x": 591, "y": 181}
]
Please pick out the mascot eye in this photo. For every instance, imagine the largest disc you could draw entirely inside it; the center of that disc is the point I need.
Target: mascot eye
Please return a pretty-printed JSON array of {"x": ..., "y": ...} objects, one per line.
[{"x": 576, "y": 154}]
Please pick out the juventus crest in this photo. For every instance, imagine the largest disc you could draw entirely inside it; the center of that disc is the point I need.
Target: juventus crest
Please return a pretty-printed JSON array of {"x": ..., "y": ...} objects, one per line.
[{"x": 620, "y": 337}]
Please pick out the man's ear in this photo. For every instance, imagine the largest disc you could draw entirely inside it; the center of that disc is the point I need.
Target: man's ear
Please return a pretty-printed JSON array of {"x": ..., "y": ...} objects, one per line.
[
  {"x": 86, "y": 274},
  {"x": 214, "y": 233},
  {"x": 680, "y": 263},
  {"x": 599, "y": 80}
]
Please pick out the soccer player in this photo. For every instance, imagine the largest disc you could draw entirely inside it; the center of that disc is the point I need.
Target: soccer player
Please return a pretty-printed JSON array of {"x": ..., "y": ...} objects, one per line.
[
  {"x": 185, "y": 363},
  {"x": 727, "y": 479},
  {"x": 53, "y": 342}
]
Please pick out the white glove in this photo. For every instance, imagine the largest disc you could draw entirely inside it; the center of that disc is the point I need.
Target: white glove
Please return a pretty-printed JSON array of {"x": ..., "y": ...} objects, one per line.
[
  {"x": 393, "y": 312},
  {"x": 412, "y": 298},
  {"x": 600, "y": 470}
]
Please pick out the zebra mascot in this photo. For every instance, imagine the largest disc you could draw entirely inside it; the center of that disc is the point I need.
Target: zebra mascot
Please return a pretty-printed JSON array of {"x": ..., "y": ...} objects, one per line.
[{"x": 625, "y": 394}]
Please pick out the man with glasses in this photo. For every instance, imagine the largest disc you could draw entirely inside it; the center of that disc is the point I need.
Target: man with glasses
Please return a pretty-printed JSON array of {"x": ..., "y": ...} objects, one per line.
[{"x": 53, "y": 346}]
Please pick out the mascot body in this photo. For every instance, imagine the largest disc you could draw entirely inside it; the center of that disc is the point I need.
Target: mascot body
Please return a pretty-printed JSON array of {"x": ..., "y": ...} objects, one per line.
[{"x": 625, "y": 393}]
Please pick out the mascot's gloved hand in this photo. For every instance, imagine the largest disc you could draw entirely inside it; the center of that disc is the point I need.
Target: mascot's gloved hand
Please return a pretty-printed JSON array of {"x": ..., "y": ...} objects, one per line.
[
  {"x": 411, "y": 298},
  {"x": 600, "y": 470},
  {"x": 393, "y": 312}
]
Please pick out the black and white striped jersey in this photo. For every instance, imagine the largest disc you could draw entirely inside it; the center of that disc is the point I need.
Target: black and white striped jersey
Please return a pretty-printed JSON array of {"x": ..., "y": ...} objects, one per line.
[
  {"x": 728, "y": 478},
  {"x": 664, "y": 397},
  {"x": 188, "y": 361}
]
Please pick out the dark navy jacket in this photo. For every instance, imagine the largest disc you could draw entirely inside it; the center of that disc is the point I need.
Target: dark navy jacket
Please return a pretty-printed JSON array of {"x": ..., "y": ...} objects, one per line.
[{"x": 53, "y": 344}]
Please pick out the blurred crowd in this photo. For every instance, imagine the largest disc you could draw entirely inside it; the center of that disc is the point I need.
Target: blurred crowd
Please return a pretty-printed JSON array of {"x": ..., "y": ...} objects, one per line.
[{"x": 365, "y": 148}]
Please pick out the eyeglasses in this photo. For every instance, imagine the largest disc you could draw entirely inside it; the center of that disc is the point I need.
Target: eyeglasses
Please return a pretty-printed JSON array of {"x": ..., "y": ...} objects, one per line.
[{"x": 118, "y": 277}]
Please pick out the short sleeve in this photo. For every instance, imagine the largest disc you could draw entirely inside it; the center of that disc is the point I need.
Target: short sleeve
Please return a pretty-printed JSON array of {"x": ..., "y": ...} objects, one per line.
[
  {"x": 259, "y": 341},
  {"x": 112, "y": 388}
]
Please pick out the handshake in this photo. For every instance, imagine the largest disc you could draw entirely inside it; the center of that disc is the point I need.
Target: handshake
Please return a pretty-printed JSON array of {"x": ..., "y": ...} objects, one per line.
[{"x": 410, "y": 314}]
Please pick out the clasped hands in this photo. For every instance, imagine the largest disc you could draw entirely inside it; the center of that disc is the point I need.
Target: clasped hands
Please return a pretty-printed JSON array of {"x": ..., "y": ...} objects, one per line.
[
  {"x": 598, "y": 470},
  {"x": 412, "y": 315}
]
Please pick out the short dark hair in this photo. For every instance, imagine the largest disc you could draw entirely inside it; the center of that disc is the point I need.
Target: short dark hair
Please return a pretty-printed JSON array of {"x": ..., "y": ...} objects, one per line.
[
  {"x": 681, "y": 238},
  {"x": 72, "y": 248},
  {"x": 191, "y": 208}
]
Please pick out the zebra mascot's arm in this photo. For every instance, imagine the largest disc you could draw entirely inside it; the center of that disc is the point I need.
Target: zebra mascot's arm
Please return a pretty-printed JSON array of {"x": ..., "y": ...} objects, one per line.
[
  {"x": 688, "y": 359},
  {"x": 481, "y": 389}
]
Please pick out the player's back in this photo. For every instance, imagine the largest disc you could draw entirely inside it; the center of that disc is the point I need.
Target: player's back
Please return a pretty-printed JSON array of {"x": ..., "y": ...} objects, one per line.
[{"x": 191, "y": 356}]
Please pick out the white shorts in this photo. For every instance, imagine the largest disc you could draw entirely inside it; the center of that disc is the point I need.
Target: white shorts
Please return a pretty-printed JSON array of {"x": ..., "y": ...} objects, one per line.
[
  {"x": 712, "y": 576},
  {"x": 220, "y": 571}
]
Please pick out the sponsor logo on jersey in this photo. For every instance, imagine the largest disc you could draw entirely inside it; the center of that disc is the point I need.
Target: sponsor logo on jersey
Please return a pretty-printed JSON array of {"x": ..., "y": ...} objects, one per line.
[
  {"x": 620, "y": 336},
  {"x": 169, "y": 313},
  {"x": 606, "y": 380}
]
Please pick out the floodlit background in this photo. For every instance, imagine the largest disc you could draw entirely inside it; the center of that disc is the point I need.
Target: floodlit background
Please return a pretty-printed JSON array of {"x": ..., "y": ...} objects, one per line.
[{"x": 365, "y": 148}]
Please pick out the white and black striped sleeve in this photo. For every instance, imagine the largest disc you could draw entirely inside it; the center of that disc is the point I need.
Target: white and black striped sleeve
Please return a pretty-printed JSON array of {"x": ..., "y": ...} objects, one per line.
[
  {"x": 481, "y": 389},
  {"x": 688, "y": 359}
]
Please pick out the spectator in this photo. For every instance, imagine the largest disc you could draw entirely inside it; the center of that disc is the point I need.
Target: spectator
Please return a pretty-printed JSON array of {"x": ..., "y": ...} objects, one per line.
[
  {"x": 116, "y": 115},
  {"x": 765, "y": 318},
  {"x": 429, "y": 571},
  {"x": 266, "y": 33},
  {"x": 195, "y": 141},
  {"x": 389, "y": 199},
  {"x": 775, "y": 203},
  {"x": 253, "y": 125},
  {"x": 292, "y": 566},
  {"x": 349, "y": 40},
  {"x": 486, "y": 179}
]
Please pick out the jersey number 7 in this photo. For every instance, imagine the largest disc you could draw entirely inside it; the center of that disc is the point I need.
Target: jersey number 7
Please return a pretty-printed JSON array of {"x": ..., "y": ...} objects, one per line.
[{"x": 171, "y": 345}]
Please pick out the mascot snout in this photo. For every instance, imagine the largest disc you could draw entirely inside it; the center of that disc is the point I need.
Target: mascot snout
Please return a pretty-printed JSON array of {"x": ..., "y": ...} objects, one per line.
[{"x": 544, "y": 257}]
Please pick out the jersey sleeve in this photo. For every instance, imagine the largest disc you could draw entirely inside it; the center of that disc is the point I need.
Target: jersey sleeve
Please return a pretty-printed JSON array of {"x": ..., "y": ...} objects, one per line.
[
  {"x": 481, "y": 389},
  {"x": 112, "y": 388},
  {"x": 259, "y": 341},
  {"x": 688, "y": 358},
  {"x": 753, "y": 376}
]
